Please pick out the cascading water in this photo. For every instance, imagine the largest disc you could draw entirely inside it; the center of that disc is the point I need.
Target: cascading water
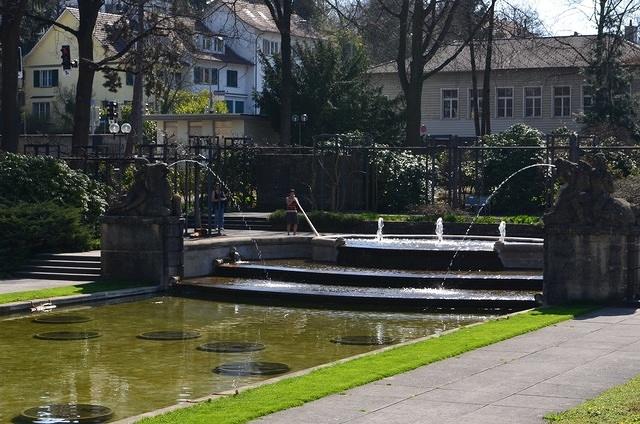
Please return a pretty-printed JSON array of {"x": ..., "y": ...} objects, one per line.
[
  {"x": 502, "y": 229},
  {"x": 486, "y": 202},
  {"x": 379, "y": 235},
  {"x": 439, "y": 230}
]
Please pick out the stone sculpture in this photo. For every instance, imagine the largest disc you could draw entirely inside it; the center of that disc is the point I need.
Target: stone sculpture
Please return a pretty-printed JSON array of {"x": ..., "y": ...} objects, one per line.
[
  {"x": 586, "y": 197},
  {"x": 150, "y": 195}
]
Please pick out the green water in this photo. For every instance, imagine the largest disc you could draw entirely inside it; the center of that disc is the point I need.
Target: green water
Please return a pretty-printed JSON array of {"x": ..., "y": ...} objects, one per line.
[{"x": 132, "y": 375}]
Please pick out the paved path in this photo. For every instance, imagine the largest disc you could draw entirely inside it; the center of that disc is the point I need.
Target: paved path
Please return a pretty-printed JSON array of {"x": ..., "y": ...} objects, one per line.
[{"x": 517, "y": 381}]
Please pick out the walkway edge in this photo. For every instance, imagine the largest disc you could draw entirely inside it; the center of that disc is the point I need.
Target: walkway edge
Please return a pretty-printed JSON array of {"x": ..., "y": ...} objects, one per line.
[{"x": 25, "y": 306}]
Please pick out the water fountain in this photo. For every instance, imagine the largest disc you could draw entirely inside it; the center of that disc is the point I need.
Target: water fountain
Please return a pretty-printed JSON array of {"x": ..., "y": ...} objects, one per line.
[
  {"x": 391, "y": 271},
  {"x": 439, "y": 229},
  {"x": 379, "y": 235}
]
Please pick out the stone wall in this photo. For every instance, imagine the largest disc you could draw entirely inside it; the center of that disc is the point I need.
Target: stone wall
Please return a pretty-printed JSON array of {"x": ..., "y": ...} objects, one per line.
[{"x": 142, "y": 249}]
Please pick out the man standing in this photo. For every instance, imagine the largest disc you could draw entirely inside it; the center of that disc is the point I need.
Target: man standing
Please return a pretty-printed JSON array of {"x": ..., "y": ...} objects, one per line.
[
  {"x": 291, "y": 202},
  {"x": 219, "y": 200}
]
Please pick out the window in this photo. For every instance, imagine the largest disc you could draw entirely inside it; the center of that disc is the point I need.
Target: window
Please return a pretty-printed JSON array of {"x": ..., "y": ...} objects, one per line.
[
  {"x": 562, "y": 101},
  {"x": 218, "y": 45},
  {"x": 206, "y": 43},
  {"x": 235, "y": 106},
  {"x": 42, "y": 110},
  {"x": 587, "y": 98},
  {"x": 533, "y": 102},
  {"x": 471, "y": 116},
  {"x": 205, "y": 75},
  {"x": 130, "y": 78},
  {"x": 197, "y": 75},
  {"x": 504, "y": 102},
  {"x": 270, "y": 47},
  {"x": 45, "y": 78},
  {"x": 232, "y": 78},
  {"x": 450, "y": 103}
]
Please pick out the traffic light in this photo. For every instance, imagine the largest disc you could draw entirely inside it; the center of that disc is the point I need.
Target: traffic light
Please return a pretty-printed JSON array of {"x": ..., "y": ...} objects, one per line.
[
  {"x": 66, "y": 57},
  {"x": 112, "y": 111}
]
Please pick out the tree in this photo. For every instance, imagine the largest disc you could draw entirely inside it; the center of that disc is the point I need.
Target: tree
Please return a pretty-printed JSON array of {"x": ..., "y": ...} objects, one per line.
[
  {"x": 331, "y": 85},
  {"x": 425, "y": 29},
  {"x": 12, "y": 14},
  {"x": 612, "y": 112},
  {"x": 88, "y": 66},
  {"x": 281, "y": 12}
]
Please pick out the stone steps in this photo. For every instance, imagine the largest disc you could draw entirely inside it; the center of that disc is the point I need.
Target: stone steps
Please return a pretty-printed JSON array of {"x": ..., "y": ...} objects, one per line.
[{"x": 63, "y": 266}]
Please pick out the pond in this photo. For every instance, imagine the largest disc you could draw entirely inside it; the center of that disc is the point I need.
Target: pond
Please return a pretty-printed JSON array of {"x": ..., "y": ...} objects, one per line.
[{"x": 118, "y": 364}]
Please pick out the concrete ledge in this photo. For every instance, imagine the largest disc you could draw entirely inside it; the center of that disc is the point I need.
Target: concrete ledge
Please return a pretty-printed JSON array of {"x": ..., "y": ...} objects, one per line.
[
  {"x": 520, "y": 255},
  {"x": 25, "y": 306},
  {"x": 200, "y": 254}
]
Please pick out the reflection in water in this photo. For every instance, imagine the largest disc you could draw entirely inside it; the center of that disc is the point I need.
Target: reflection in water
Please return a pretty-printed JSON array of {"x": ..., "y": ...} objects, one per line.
[{"x": 132, "y": 375}]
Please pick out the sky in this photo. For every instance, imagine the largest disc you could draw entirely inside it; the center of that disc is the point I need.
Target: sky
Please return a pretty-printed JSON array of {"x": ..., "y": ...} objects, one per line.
[{"x": 563, "y": 17}]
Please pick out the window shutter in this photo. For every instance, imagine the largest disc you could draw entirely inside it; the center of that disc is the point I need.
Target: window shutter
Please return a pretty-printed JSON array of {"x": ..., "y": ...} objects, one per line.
[
  {"x": 214, "y": 76},
  {"x": 36, "y": 78},
  {"x": 197, "y": 75},
  {"x": 54, "y": 78}
]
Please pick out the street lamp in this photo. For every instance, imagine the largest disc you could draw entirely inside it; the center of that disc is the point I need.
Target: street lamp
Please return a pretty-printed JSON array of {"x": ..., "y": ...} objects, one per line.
[
  {"x": 114, "y": 128},
  {"x": 300, "y": 120}
]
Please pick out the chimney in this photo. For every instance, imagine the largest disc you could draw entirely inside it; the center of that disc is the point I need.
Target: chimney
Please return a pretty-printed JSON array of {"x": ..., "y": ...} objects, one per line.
[{"x": 631, "y": 32}]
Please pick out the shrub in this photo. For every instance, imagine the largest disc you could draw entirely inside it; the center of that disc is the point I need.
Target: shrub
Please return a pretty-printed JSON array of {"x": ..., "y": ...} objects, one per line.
[
  {"x": 629, "y": 189},
  {"x": 38, "y": 179},
  {"x": 525, "y": 191},
  {"x": 401, "y": 179},
  {"x": 323, "y": 221},
  {"x": 40, "y": 227}
]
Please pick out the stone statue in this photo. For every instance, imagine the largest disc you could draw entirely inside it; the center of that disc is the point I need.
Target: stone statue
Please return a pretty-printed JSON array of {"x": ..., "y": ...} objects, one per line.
[
  {"x": 150, "y": 195},
  {"x": 585, "y": 198}
]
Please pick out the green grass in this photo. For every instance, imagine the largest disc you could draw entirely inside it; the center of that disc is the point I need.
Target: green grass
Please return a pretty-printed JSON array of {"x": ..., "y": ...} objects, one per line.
[
  {"x": 615, "y": 406},
  {"x": 99, "y": 286},
  {"x": 295, "y": 391}
]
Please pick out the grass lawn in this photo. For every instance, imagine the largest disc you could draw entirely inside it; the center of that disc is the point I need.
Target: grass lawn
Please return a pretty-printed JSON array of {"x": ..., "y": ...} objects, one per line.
[
  {"x": 620, "y": 405},
  {"x": 295, "y": 391},
  {"x": 70, "y": 290}
]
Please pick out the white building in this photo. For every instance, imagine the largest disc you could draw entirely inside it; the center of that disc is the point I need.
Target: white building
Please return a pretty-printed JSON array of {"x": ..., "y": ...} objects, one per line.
[{"x": 230, "y": 53}]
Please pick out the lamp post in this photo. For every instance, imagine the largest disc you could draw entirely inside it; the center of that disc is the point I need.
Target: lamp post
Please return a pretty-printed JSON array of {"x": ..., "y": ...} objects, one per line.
[
  {"x": 114, "y": 128},
  {"x": 300, "y": 120}
]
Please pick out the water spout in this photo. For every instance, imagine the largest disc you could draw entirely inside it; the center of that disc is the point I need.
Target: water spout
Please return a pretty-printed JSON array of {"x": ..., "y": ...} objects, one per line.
[
  {"x": 379, "y": 232},
  {"x": 439, "y": 229},
  {"x": 502, "y": 228}
]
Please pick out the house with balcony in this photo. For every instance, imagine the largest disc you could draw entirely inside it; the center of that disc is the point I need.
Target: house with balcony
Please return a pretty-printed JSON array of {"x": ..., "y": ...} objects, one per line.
[
  {"x": 46, "y": 87},
  {"x": 538, "y": 81},
  {"x": 222, "y": 59}
]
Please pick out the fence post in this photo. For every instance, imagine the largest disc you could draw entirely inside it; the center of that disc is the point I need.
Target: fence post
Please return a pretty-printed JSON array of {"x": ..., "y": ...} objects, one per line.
[
  {"x": 574, "y": 147},
  {"x": 455, "y": 201}
]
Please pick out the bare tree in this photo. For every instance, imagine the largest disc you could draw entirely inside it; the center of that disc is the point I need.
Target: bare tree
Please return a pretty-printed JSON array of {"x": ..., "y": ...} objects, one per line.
[
  {"x": 425, "y": 30},
  {"x": 88, "y": 65},
  {"x": 281, "y": 11}
]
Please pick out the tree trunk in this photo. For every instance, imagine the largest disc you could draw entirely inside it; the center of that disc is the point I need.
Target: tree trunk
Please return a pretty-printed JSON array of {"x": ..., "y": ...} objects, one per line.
[
  {"x": 486, "y": 90},
  {"x": 135, "y": 136},
  {"x": 11, "y": 19},
  {"x": 286, "y": 91},
  {"x": 86, "y": 72},
  {"x": 414, "y": 102},
  {"x": 474, "y": 89}
]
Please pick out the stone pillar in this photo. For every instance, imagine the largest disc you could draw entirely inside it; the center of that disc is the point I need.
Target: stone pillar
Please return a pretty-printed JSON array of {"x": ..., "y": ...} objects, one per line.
[
  {"x": 144, "y": 249},
  {"x": 587, "y": 264}
]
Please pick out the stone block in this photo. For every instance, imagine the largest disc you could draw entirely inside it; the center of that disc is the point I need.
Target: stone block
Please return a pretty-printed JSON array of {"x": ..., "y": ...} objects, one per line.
[{"x": 586, "y": 265}]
